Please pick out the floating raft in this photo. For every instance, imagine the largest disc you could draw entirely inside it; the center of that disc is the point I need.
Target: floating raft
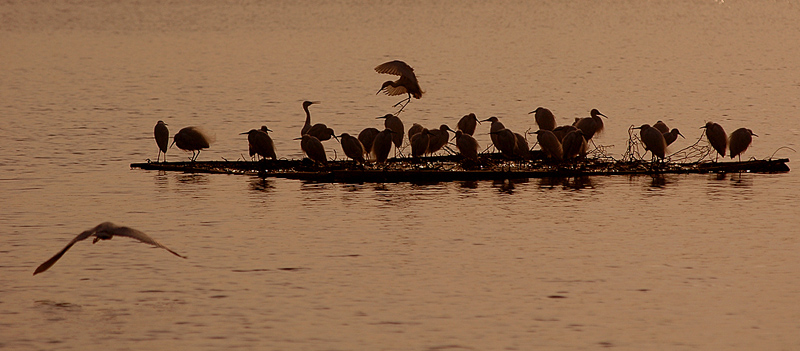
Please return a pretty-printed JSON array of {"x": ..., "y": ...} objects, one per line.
[{"x": 451, "y": 168}]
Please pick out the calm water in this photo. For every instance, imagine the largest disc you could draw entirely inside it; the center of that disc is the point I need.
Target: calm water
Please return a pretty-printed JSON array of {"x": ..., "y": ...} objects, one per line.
[{"x": 687, "y": 262}]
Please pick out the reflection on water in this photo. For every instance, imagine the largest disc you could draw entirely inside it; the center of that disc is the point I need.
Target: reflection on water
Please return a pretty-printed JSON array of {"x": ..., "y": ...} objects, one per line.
[
  {"x": 261, "y": 184},
  {"x": 193, "y": 178},
  {"x": 573, "y": 183}
]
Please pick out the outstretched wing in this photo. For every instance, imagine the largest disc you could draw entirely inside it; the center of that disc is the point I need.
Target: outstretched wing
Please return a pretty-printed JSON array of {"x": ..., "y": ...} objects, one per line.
[
  {"x": 49, "y": 263},
  {"x": 138, "y": 235},
  {"x": 398, "y": 68}
]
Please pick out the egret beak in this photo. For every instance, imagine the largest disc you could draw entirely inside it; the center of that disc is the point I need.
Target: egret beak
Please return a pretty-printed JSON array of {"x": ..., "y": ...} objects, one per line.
[
  {"x": 337, "y": 139},
  {"x": 636, "y": 128},
  {"x": 244, "y": 133},
  {"x": 679, "y": 133},
  {"x": 173, "y": 143},
  {"x": 753, "y": 134},
  {"x": 298, "y": 138}
]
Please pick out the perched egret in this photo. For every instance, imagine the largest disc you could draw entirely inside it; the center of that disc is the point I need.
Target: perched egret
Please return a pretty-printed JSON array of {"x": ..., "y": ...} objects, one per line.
[
  {"x": 716, "y": 137},
  {"x": 396, "y": 125},
  {"x": 590, "y": 125},
  {"x": 192, "y": 139},
  {"x": 672, "y": 135},
  {"x": 467, "y": 145},
  {"x": 161, "y": 133},
  {"x": 550, "y": 144},
  {"x": 468, "y": 123},
  {"x": 739, "y": 141},
  {"x": 352, "y": 147},
  {"x": 544, "y": 118},
  {"x": 366, "y": 137},
  {"x": 259, "y": 142}
]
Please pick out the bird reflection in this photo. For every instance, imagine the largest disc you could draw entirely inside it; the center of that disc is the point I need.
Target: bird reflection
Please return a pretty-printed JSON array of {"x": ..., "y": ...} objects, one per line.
[{"x": 261, "y": 185}]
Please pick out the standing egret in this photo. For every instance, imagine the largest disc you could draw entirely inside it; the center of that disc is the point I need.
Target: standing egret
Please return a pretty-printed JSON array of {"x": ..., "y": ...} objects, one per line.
[
  {"x": 406, "y": 84},
  {"x": 672, "y": 135},
  {"x": 439, "y": 138},
  {"x": 382, "y": 145},
  {"x": 494, "y": 128},
  {"x": 550, "y": 144},
  {"x": 739, "y": 142},
  {"x": 574, "y": 145},
  {"x": 260, "y": 143},
  {"x": 468, "y": 123},
  {"x": 653, "y": 141},
  {"x": 716, "y": 137},
  {"x": 661, "y": 127},
  {"x": 103, "y": 231},
  {"x": 506, "y": 141},
  {"x": 396, "y": 125},
  {"x": 313, "y": 148},
  {"x": 522, "y": 149},
  {"x": 319, "y": 130},
  {"x": 467, "y": 145},
  {"x": 544, "y": 118},
  {"x": 352, "y": 147},
  {"x": 590, "y": 125},
  {"x": 420, "y": 142},
  {"x": 562, "y": 131},
  {"x": 192, "y": 139},
  {"x": 415, "y": 128},
  {"x": 366, "y": 137},
  {"x": 161, "y": 133}
]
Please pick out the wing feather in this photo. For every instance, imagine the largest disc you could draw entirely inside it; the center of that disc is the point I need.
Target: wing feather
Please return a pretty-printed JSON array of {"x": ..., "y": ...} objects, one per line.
[
  {"x": 49, "y": 263},
  {"x": 398, "y": 68},
  {"x": 138, "y": 235}
]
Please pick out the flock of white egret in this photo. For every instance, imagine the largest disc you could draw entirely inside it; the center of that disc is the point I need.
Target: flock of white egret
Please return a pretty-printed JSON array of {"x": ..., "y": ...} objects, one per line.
[{"x": 566, "y": 142}]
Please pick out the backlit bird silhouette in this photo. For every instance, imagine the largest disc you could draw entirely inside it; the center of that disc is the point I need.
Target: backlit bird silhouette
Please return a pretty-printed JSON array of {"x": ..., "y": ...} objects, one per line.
[
  {"x": 739, "y": 141},
  {"x": 313, "y": 148},
  {"x": 415, "y": 128},
  {"x": 420, "y": 142},
  {"x": 494, "y": 128},
  {"x": 366, "y": 137},
  {"x": 319, "y": 130},
  {"x": 544, "y": 118},
  {"x": 192, "y": 139},
  {"x": 590, "y": 125},
  {"x": 522, "y": 148},
  {"x": 661, "y": 127},
  {"x": 260, "y": 143},
  {"x": 406, "y": 84},
  {"x": 103, "y": 231},
  {"x": 161, "y": 133},
  {"x": 439, "y": 138},
  {"x": 506, "y": 142},
  {"x": 653, "y": 141},
  {"x": 672, "y": 135},
  {"x": 352, "y": 147},
  {"x": 467, "y": 145},
  {"x": 562, "y": 131},
  {"x": 716, "y": 137},
  {"x": 550, "y": 144},
  {"x": 574, "y": 145},
  {"x": 468, "y": 123},
  {"x": 396, "y": 125},
  {"x": 382, "y": 145}
]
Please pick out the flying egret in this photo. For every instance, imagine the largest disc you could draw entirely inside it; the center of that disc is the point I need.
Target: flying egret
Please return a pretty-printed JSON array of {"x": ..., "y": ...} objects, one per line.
[
  {"x": 161, "y": 133},
  {"x": 103, "y": 231},
  {"x": 406, "y": 84}
]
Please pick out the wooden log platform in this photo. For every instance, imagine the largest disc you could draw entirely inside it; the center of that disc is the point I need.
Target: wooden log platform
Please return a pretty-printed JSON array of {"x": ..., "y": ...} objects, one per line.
[{"x": 453, "y": 168}]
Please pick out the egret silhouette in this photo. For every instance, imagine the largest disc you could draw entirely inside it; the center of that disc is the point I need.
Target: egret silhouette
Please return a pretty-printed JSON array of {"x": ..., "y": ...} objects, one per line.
[
  {"x": 382, "y": 145},
  {"x": 467, "y": 145},
  {"x": 103, "y": 231},
  {"x": 544, "y": 118},
  {"x": 574, "y": 145},
  {"x": 439, "y": 138},
  {"x": 366, "y": 137},
  {"x": 522, "y": 149},
  {"x": 468, "y": 123},
  {"x": 192, "y": 139},
  {"x": 716, "y": 137},
  {"x": 420, "y": 142},
  {"x": 319, "y": 130},
  {"x": 506, "y": 141},
  {"x": 352, "y": 147},
  {"x": 661, "y": 127},
  {"x": 415, "y": 128},
  {"x": 260, "y": 143},
  {"x": 313, "y": 148},
  {"x": 672, "y": 135},
  {"x": 562, "y": 131},
  {"x": 406, "y": 84},
  {"x": 396, "y": 125},
  {"x": 653, "y": 141},
  {"x": 495, "y": 127},
  {"x": 590, "y": 125},
  {"x": 739, "y": 142},
  {"x": 161, "y": 133},
  {"x": 550, "y": 144}
]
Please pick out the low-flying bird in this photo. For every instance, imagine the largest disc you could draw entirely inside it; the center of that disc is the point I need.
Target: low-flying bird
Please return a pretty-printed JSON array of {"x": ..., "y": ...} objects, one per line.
[
  {"x": 550, "y": 144},
  {"x": 396, "y": 125},
  {"x": 716, "y": 137},
  {"x": 661, "y": 127},
  {"x": 406, "y": 84},
  {"x": 439, "y": 138},
  {"x": 653, "y": 141},
  {"x": 366, "y": 137},
  {"x": 382, "y": 145},
  {"x": 467, "y": 145},
  {"x": 161, "y": 133},
  {"x": 739, "y": 141},
  {"x": 352, "y": 147},
  {"x": 544, "y": 118},
  {"x": 103, "y": 231},
  {"x": 420, "y": 142},
  {"x": 562, "y": 131},
  {"x": 468, "y": 123},
  {"x": 192, "y": 139},
  {"x": 313, "y": 148},
  {"x": 260, "y": 143},
  {"x": 574, "y": 145},
  {"x": 672, "y": 135},
  {"x": 590, "y": 125}
]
